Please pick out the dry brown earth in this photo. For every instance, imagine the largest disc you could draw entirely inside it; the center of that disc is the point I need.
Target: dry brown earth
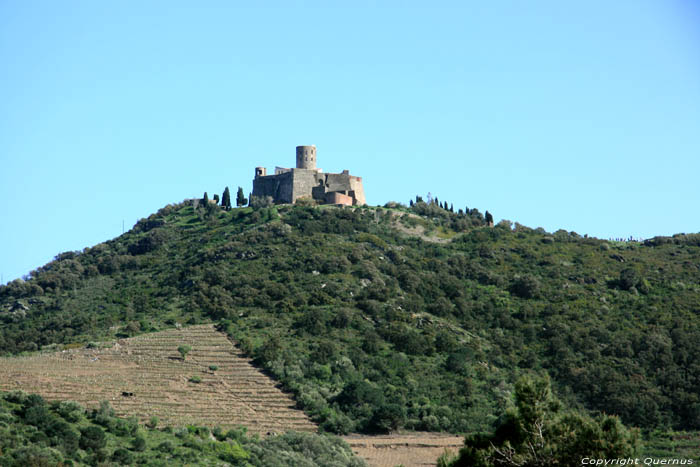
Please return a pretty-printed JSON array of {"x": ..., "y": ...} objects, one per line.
[{"x": 409, "y": 450}]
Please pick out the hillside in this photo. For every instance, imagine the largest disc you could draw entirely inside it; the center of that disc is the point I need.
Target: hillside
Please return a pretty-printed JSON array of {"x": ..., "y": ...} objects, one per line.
[
  {"x": 34, "y": 432},
  {"x": 146, "y": 377},
  {"x": 378, "y": 318}
]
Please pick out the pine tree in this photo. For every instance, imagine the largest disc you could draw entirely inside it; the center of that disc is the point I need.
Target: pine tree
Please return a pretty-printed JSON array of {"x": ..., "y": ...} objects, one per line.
[
  {"x": 240, "y": 198},
  {"x": 205, "y": 201},
  {"x": 226, "y": 199},
  {"x": 489, "y": 218}
]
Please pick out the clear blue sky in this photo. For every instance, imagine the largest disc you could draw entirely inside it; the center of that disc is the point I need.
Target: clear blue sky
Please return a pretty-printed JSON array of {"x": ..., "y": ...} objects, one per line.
[{"x": 576, "y": 115}]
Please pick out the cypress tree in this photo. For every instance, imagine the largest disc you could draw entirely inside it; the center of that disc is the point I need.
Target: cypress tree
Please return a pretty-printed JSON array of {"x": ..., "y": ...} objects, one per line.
[
  {"x": 240, "y": 198},
  {"x": 205, "y": 201},
  {"x": 226, "y": 199}
]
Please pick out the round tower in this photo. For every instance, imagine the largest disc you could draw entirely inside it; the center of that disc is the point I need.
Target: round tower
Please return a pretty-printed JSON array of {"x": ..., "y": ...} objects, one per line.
[{"x": 306, "y": 157}]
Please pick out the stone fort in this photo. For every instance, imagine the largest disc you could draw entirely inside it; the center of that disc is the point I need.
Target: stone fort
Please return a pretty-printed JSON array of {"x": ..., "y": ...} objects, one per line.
[{"x": 307, "y": 181}]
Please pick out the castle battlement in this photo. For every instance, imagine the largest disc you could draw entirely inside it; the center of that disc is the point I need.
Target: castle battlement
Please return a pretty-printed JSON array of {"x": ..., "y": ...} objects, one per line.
[{"x": 307, "y": 181}]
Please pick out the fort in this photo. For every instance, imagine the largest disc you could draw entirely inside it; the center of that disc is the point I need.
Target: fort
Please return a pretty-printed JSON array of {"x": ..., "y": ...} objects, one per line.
[{"x": 308, "y": 181}]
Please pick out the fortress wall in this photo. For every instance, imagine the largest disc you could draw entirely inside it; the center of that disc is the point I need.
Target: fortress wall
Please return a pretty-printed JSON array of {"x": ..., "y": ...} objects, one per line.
[
  {"x": 279, "y": 187},
  {"x": 356, "y": 186},
  {"x": 338, "y": 182},
  {"x": 338, "y": 198},
  {"x": 303, "y": 182}
]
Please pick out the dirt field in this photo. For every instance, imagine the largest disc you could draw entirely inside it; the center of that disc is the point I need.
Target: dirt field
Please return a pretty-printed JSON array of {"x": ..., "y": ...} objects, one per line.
[
  {"x": 409, "y": 450},
  {"x": 150, "y": 368}
]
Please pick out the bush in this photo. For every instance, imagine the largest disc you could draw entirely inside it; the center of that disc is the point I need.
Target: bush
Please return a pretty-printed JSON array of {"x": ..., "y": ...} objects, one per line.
[
  {"x": 122, "y": 456},
  {"x": 92, "y": 438},
  {"x": 526, "y": 286},
  {"x": 184, "y": 350},
  {"x": 195, "y": 379}
]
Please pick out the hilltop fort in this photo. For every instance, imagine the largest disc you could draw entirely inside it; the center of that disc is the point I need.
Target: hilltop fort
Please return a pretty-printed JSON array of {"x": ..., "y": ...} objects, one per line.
[{"x": 308, "y": 181}]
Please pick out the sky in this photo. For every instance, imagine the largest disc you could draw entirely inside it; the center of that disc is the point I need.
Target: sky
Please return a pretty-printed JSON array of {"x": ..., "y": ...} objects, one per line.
[{"x": 583, "y": 116}]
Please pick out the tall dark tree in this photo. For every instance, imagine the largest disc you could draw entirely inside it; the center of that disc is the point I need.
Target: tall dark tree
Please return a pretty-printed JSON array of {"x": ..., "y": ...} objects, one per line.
[
  {"x": 226, "y": 199},
  {"x": 240, "y": 198},
  {"x": 489, "y": 218},
  {"x": 205, "y": 200}
]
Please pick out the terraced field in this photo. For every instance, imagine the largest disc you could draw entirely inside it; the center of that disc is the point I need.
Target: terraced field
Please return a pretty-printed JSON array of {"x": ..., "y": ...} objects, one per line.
[{"x": 145, "y": 376}]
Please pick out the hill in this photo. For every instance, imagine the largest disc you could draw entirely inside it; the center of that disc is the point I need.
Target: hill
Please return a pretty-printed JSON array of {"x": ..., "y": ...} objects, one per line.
[{"x": 378, "y": 318}]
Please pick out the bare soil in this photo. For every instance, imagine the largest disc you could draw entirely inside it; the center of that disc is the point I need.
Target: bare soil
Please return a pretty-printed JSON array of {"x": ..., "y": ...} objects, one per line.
[{"x": 417, "y": 449}]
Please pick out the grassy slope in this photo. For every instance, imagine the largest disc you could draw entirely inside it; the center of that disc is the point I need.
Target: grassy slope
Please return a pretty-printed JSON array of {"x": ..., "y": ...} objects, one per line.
[{"x": 373, "y": 329}]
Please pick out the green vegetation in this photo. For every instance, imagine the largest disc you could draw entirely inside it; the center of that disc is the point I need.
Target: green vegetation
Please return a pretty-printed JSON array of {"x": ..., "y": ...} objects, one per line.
[
  {"x": 536, "y": 431},
  {"x": 36, "y": 432},
  {"x": 240, "y": 198},
  {"x": 226, "y": 199},
  {"x": 373, "y": 328},
  {"x": 184, "y": 350}
]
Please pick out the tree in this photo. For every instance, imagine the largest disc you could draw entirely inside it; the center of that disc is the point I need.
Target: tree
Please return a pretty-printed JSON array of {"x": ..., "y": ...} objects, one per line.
[
  {"x": 216, "y": 199},
  {"x": 489, "y": 218},
  {"x": 535, "y": 431},
  {"x": 240, "y": 198},
  {"x": 205, "y": 200},
  {"x": 226, "y": 199},
  {"x": 184, "y": 350}
]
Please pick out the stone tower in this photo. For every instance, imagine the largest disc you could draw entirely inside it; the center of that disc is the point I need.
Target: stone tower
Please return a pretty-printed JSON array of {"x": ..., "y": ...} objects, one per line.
[{"x": 306, "y": 157}]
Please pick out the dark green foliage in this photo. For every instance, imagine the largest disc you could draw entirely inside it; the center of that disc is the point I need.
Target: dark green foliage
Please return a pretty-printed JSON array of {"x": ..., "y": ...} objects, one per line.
[
  {"x": 525, "y": 286},
  {"x": 226, "y": 199},
  {"x": 205, "y": 199},
  {"x": 629, "y": 278},
  {"x": 83, "y": 441},
  {"x": 92, "y": 438},
  {"x": 121, "y": 456},
  {"x": 240, "y": 198},
  {"x": 325, "y": 297},
  {"x": 184, "y": 350}
]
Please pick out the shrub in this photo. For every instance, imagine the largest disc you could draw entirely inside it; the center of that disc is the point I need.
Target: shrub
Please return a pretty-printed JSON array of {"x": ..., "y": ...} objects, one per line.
[
  {"x": 195, "y": 379},
  {"x": 139, "y": 443},
  {"x": 153, "y": 423},
  {"x": 231, "y": 451},
  {"x": 184, "y": 350},
  {"x": 122, "y": 456},
  {"x": 92, "y": 438},
  {"x": 525, "y": 286}
]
